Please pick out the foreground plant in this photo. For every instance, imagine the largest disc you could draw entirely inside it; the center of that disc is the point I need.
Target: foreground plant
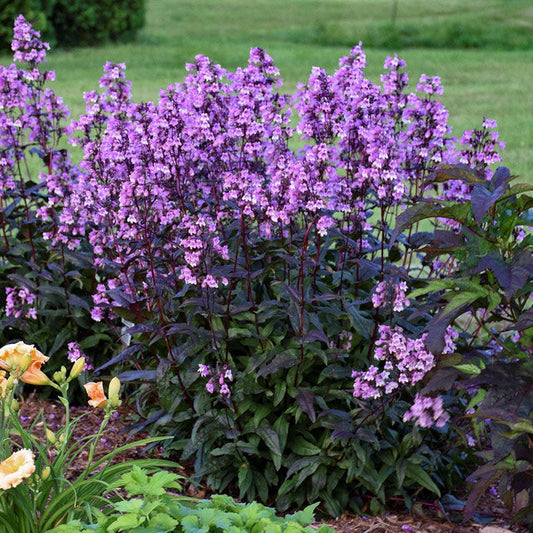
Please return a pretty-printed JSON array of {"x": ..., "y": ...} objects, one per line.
[
  {"x": 36, "y": 491},
  {"x": 149, "y": 506}
]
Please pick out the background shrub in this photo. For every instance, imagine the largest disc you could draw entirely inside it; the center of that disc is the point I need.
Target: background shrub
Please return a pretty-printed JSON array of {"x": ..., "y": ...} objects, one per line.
[
  {"x": 90, "y": 22},
  {"x": 75, "y": 23},
  {"x": 34, "y": 10}
]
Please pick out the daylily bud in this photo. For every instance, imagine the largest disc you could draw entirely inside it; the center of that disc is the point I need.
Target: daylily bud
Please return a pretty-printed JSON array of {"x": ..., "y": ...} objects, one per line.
[
  {"x": 77, "y": 368},
  {"x": 45, "y": 473},
  {"x": 15, "y": 406},
  {"x": 113, "y": 391},
  {"x": 50, "y": 435},
  {"x": 19, "y": 363},
  {"x": 11, "y": 382},
  {"x": 59, "y": 376}
]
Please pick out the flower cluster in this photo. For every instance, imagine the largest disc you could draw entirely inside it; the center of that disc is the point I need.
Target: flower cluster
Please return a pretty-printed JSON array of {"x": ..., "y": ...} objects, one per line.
[
  {"x": 75, "y": 353},
  {"x": 19, "y": 303},
  {"x": 177, "y": 198},
  {"x": 427, "y": 411},
  {"x": 217, "y": 379},
  {"x": 405, "y": 362},
  {"x": 26, "y": 44},
  {"x": 391, "y": 294}
]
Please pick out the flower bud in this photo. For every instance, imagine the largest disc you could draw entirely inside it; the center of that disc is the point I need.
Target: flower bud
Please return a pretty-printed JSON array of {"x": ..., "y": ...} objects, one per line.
[
  {"x": 11, "y": 382},
  {"x": 77, "y": 368},
  {"x": 50, "y": 435},
  {"x": 113, "y": 391},
  {"x": 59, "y": 376},
  {"x": 19, "y": 364},
  {"x": 15, "y": 406},
  {"x": 45, "y": 473}
]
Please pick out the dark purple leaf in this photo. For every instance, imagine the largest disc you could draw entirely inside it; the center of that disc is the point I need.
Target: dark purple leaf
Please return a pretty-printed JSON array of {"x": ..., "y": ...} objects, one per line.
[
  {"x": 132, "y": 375},
  {"x": 447, "y": 239},
  {"x": 525, "y": 321},
  {"x": 501, "y": 177},
  {"x": 420, "y": 238},
  {"x": 315, "y": 335},
  {"x": 305, "y": 400},
  {"x": 23, "y": 281},
  {"x": 441, "y": 380},
  {"x": 76, "y": 301},
  {"x": 122, "y": 356},
  {"x": 292, "y": 293},
  {"x": 511, "y": 277},
  {"x": 483, "y": 199},
  {"x": 280, "y": 361},
  {"x": 143, "y": 328},
  {"x": 121, "y": 297},
  {"x": 456, "y": 172},
  {"x": 342, "y": 433}
]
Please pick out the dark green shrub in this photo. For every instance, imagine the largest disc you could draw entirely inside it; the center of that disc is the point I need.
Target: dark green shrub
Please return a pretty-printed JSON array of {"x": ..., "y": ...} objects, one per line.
[
  {"x": 89, "y": 22},
  {"x": 33, "y": 10}
]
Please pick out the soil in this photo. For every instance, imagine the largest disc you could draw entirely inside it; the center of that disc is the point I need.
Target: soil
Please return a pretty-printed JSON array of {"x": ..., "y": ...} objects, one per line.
[{"x": 117, "y": 434}]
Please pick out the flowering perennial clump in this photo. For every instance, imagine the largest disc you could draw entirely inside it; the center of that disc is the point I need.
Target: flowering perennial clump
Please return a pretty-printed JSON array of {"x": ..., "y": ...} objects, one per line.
[{"x": 254, "y": 287}]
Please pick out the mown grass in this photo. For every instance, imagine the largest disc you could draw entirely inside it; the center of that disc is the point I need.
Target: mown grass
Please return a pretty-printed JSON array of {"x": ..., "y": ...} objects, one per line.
[{"x": 492, "y": 80}]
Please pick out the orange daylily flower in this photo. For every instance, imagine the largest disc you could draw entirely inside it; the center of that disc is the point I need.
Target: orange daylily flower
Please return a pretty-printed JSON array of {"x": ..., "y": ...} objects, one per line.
[
  {"x": 15, "y": 468},
  {"x": 95, "y": 391},
  {"x": 25, "y": 361}
]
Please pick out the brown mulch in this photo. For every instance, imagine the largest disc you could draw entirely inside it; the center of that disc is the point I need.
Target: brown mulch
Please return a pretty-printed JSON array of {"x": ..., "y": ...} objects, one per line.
[{"x": 117, "y": 432}]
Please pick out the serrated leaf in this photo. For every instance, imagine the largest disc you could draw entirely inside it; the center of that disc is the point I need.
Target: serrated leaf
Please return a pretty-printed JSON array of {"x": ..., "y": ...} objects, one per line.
[{"x": 124, "y": 522}]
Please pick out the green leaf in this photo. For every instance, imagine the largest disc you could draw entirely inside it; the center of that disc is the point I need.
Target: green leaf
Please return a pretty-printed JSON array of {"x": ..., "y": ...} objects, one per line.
[
  {"x": 124, "y": 522},
  {"x": 305, "y": 516},
  {"x": 469, "y": 368},
  {"x": 130, "y": 506},
  {"x": 300, "y": 446},
  {"x": 417, "y": 474},
  {"x": 163, "y": 521},
  {"x": 271, "y": 439},
  {"x": 245, "y": 478}
]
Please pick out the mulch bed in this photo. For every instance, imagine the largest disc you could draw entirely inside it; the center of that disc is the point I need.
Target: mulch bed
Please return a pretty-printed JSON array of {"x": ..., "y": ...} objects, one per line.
[{"x": 117, "y": 434}]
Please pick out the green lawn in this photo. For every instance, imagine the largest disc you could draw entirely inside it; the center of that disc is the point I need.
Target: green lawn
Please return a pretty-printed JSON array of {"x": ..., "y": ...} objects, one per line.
[{"x": 484, "y": 82}]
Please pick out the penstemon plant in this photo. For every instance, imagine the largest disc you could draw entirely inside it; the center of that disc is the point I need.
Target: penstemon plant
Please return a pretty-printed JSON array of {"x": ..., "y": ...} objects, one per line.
[
  {"x": 36, "y": 492},
  {"x": 261, "y": 292},
  {"x": 45, "y": 288}
]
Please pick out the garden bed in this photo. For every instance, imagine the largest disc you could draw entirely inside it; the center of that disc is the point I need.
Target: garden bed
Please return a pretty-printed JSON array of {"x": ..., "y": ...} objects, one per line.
[{"x": 117, "y": 435}]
